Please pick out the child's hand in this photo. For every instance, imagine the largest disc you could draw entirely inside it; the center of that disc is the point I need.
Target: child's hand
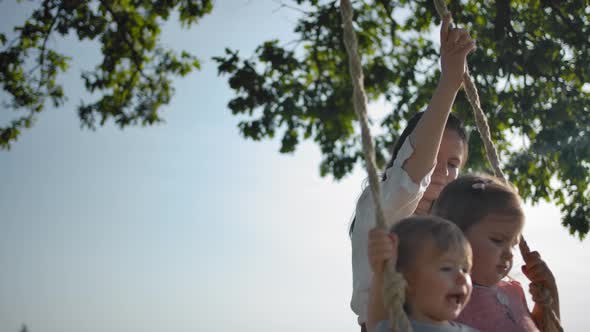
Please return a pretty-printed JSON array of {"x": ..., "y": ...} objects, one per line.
[
  {"x": 455, "y": 45},
  {"x": 539, "y": 293},
  {"x": 537, "y": 270},
  {"x": 542, "y": 287},
  {"x": 382, "y": 247}
]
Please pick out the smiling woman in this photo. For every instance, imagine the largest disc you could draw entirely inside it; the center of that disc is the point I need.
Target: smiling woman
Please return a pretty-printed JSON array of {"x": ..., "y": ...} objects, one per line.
[
  {"x": 451, "y": 157},
  {"x": 432, "y": 146}
]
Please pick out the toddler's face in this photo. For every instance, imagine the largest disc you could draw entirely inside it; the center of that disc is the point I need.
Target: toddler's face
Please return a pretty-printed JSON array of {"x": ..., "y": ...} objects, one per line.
[
  {"x": 439, "y": 284},
  {"x": 492, "y": 241}
]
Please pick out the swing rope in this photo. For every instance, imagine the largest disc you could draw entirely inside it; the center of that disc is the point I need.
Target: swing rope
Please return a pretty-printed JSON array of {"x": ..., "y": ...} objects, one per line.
[
  {"x": 550, "y": 321},
  {"x": 394, "y": 288},
  {"x": 394, "y": 282}
]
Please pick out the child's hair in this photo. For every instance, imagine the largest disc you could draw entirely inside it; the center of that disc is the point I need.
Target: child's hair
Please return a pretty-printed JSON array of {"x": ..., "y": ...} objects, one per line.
[
  {"x": 413, "y": 231},
  {"x": 470, "y": 198}
]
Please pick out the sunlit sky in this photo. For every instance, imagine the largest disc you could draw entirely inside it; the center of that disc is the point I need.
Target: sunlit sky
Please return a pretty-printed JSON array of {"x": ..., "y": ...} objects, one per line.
[{"x": 186, "y": 226}]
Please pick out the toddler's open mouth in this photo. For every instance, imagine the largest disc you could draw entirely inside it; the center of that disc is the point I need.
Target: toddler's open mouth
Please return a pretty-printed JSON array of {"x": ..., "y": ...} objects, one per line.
[{"x": 457, "y": 298}]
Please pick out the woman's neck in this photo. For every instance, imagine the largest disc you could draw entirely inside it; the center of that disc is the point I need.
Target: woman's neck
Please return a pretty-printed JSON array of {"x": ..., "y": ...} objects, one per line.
[{"x": 423, "y": 207}]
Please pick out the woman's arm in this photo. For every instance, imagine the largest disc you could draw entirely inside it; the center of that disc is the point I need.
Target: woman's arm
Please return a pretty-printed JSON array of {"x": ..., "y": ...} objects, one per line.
[{"x": 426, "y": 137}]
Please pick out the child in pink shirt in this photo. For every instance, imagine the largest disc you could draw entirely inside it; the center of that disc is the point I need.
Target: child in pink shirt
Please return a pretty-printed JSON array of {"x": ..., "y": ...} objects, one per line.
[
  {"x": 490, "y": 214},
  {"x": 498, "y": 308}
]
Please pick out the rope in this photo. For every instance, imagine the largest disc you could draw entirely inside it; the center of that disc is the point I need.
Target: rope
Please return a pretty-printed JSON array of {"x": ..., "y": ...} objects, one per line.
[
  {"x": 551, "y": 321},
  {"x": 394, "y": 283}
]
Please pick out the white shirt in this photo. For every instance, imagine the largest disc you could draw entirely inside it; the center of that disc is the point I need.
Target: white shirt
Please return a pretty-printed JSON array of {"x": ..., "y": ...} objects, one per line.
[{"x": 399, "y": 198}]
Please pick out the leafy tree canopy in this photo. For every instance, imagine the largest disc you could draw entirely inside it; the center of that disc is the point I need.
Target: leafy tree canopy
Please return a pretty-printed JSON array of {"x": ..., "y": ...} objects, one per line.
[
  {"x": 133, "y": 79},
  {"x": 531, "y": 68}
]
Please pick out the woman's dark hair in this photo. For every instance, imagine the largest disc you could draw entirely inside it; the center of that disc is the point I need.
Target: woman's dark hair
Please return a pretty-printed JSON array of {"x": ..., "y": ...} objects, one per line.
[{"x": 453, "y": 123}]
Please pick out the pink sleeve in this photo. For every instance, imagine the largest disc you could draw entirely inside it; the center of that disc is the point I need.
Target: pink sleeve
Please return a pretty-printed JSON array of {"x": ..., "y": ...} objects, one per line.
[{"x": 502, "y": 308}]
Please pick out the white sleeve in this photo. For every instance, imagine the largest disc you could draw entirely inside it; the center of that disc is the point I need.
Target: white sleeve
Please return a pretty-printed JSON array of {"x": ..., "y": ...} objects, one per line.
[{"x": 400, "y": 197}]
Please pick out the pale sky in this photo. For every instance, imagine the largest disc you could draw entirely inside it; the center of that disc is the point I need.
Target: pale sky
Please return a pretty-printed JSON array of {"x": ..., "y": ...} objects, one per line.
[{"x": 186, "y": 226}]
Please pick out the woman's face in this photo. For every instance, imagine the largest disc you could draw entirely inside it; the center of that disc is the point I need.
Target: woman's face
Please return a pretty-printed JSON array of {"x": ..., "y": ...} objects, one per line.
[{"x": 451, "y": 157}]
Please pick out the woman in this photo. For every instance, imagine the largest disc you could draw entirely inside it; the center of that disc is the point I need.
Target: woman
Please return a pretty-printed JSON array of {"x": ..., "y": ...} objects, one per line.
[{"x": 427, "y": 156}]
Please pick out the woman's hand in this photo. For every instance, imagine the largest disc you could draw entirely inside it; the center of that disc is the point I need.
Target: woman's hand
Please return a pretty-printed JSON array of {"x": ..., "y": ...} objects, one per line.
[{"x": 456, "y": 44}]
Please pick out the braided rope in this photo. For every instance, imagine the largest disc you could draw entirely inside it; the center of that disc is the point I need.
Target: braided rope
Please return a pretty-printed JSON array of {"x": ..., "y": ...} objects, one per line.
[
  {"x": 394, "y": 283},
  {"x": 551, "y": 321}
]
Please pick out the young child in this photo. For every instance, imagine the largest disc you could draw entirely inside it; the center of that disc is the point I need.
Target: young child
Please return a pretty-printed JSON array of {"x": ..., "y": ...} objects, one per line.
[
  {"x": 490, "y": 214},
  {"x": 435, "y": 259}
]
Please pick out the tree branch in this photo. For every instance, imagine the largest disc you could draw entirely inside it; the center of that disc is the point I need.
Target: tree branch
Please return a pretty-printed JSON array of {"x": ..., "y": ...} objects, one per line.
[
  {"x": 284, "y": 5},
  {"x": 136, "y": 55},
  {"x": 43, "y": 46}
]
